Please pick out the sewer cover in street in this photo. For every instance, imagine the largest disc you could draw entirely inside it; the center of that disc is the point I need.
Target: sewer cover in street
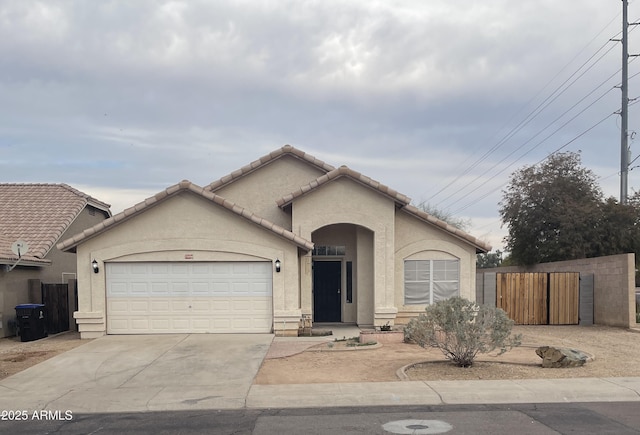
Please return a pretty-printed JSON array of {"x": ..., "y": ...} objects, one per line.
[{"x": 417, "y": 427}]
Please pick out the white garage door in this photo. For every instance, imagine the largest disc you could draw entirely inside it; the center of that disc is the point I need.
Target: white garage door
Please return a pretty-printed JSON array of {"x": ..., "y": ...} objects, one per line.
[{"x": 155, "y": 298}]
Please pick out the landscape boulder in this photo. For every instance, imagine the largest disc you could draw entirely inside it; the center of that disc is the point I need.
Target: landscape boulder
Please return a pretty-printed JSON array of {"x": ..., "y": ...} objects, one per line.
[{"x": 555, "y": 357}]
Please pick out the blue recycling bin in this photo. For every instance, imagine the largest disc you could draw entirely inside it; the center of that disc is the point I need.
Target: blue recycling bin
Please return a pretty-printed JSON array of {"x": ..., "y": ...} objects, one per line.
[{"x": 31, "y": 320}]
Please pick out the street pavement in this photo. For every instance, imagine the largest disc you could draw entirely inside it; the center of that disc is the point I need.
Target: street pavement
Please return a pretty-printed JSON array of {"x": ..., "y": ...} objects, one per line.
[{"x": 615, "y": 418}]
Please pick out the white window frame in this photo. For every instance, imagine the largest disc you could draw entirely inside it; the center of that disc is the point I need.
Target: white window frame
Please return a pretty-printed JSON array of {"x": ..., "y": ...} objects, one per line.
[{"x": 430, "y": 283}]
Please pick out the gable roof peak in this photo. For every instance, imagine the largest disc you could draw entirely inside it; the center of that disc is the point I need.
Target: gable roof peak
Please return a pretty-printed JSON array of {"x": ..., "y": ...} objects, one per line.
[
  {"x": 286, "y": 150},
  {"x": 345, "y": 171}
]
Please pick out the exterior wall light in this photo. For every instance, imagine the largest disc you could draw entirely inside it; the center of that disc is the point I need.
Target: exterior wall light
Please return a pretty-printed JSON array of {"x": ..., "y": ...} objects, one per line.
[
  {"x": 277, "y": 263},
  {"x": 94, "y": 266}
]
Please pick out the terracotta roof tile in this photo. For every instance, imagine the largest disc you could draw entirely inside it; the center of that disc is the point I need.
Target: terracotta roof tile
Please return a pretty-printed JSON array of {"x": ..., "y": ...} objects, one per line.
[
  {"x": 344, "y": 171},
  {"x": 184, "y": 185},
  {"x": 40, "y": 213},
  {"x": 264, "y": 160}
]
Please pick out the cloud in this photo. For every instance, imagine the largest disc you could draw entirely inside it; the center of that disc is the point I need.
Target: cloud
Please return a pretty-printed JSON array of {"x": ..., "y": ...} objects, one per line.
[{"x": 135, "y": 96}]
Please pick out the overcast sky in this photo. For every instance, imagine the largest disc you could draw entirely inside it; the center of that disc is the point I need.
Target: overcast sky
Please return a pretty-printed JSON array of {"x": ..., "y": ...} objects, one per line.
[{"x": 122, "y": 99}]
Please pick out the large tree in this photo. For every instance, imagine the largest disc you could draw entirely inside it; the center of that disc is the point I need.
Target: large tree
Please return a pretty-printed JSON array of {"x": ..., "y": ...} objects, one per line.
[{"x": 553, "y": 211}]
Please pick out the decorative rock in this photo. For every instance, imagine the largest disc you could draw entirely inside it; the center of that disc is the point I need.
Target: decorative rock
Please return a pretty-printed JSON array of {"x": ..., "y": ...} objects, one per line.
[{"x": 555, "y": 357}]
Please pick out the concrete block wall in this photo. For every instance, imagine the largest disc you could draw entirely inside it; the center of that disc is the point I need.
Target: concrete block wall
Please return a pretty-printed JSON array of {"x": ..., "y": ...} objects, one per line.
[{"x": 613, "y": 285}]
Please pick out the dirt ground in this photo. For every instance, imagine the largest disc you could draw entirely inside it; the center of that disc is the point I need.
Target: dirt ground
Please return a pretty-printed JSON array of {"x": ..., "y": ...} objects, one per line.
[
  {"x": 16, "y": 356},
  {"x": 615, "y": 352}
]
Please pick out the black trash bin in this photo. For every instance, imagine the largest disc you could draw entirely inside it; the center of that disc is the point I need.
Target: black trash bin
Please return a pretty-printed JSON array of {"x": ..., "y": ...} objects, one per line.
[{"x": 31, "y": 321}]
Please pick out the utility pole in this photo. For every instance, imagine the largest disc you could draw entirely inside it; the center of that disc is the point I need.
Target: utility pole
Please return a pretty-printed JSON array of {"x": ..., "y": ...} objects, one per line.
[{"x": 624, "y": 142}]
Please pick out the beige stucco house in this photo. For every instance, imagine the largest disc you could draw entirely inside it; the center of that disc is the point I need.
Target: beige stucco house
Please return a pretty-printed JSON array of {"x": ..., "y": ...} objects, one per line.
[{"x": 283, "y": 240}]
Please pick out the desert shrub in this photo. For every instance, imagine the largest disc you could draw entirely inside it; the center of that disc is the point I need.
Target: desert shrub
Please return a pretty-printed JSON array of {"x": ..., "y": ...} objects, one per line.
[{"x": 462, "y": 329}]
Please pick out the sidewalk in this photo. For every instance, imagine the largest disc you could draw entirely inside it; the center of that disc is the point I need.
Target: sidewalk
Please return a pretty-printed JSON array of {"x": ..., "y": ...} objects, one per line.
[{"x": 444, "y": 392}]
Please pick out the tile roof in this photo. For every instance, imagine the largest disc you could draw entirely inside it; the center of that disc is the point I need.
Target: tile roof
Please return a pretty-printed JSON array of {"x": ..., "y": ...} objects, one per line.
[
  {"x": 286, "y": 150},
  {"x": 39, "y": 214},
  {"x": 457, "y": 232},
  {"x": 344, "y": 171},
  {"x": 402, "y": 200},
  {"x": 184, "y": 185}
]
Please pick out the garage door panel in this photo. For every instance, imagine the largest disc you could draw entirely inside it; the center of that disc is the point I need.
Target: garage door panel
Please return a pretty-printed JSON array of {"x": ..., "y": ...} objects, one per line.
[
  {"x": 239, "y": 288},
  {"x": 190, "y": 297},
  {"x": 178, "y": 269},
  {"x": 139, "y": 269},
  {"x": 220, "y": 305},
  {"x": 181, "y": 325},
  {"x": 139, "y": 324},
  {"x": 201, "y": 288},
  {"x": 159, "y": 288},
  {"x": 139, "y": 306},
  {"x": 116, "y": 306},
  {"x": 119, "y": 289},
  {"x": 260, "y": 289},
  {"x": 180, "y": 288},
  {"x": 221, "y": 288},
  {"x": 139, "y": 288},
  {"x": 160, "y": 324},
  {"x": 160, "y": 306},
  {"x": 179, "y": 306}
]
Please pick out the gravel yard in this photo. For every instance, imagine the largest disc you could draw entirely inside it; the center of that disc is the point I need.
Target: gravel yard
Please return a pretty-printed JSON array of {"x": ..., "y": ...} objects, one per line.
[
  {"x": 16, "y": 356},
  {"x": 616, "y": 353}
]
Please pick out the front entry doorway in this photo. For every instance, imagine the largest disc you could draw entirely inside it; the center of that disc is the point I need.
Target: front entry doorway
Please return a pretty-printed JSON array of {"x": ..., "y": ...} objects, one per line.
[{"x": 327, "y": 297}]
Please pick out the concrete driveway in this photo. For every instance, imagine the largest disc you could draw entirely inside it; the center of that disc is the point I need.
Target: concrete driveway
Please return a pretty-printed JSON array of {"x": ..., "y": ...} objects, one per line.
[{"x": 120, "y": 373}]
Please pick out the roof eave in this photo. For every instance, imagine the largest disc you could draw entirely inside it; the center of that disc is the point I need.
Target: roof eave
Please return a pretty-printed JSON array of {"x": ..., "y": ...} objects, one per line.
[
  {"x": 481, "y": 247},
  {"x": 71, "y": 244}
]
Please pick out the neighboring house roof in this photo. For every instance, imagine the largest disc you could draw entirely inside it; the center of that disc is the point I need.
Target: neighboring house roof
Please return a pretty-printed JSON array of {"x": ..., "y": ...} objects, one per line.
[
  {"x": 39, "y": 214},
  {"x": 183, "y": 186},
  {"x": 457, "y": 232},
  {"x": 286, "y": 150},
  {"x": 346, "y": 172}
]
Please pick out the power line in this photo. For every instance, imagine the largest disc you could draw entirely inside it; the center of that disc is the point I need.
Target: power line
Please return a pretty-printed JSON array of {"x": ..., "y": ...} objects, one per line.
[
  {"x": 542, "y": 130},
  {"x": 555, "y": 151},
  {"x": 550, "y": 154},
  {"x": 535, "y": 112},
  {"x": 532, "y": 138}
]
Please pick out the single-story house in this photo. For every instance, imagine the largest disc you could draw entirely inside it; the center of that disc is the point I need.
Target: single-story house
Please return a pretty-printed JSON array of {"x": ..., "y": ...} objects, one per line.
[
  {"x": 285, "y": 240},
  {"x": 40, "y": 215}
]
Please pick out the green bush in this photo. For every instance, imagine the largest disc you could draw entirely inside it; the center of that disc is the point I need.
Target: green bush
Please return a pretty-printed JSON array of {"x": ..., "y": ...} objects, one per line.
[{"x": 462, "y": 329}]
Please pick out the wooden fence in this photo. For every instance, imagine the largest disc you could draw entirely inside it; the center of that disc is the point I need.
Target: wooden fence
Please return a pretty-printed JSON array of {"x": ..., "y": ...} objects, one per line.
[
  {"x": 539, "y": 298},
  {"x": 55, "y": 297}
]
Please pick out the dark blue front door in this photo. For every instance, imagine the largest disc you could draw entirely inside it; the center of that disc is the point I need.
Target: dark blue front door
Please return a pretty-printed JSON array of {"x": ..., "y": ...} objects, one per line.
[{"x": 326, "y": 291}]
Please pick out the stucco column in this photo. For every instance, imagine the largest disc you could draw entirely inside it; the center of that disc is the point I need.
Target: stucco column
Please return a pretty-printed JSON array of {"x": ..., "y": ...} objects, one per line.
[{"x": 384, "y": 304}]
